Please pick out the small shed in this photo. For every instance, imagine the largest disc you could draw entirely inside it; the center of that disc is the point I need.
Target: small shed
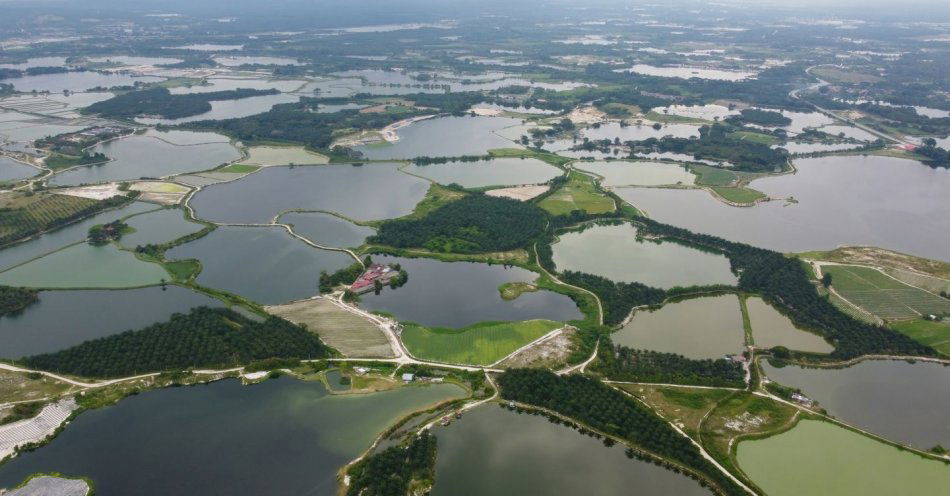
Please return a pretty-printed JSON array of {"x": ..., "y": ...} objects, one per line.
[{"x": 408, "y": 377}]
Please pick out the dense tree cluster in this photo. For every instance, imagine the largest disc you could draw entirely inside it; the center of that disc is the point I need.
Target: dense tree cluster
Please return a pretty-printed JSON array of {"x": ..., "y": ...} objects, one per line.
[
  {"x": 101, "y": 234},
  {"x": 13, "y": 299},
  {"x": 160, "y": 102},
  {"x": 620, "y": 363},
  {"x": 610, "y": 411},
  {"x": 393, "y": 471},
  {"x": 473, "y": 224},
  {"x": 205, "y": 337},
  {"x": 617, "y": 298},
  {"x": 32, "y": 71},
  {"x": 761, "y": 117},
  {"x": 716, "y": 143},
  {"x": 782, "y": 281},
  {"x": 936, "y": 157}
]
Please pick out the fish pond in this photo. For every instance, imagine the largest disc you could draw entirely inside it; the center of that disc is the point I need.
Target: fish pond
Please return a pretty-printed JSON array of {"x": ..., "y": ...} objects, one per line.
[
  {"x": 41, "y": 328},
  {"x": 698, "y": 328},
  {"x": 457, "y": 136},
  {"x": 527, "y": 454},
  {"x": 832, "y": 209},
  {"x": 283, "y": 436},
  {"x": 327, "y": 229},
  {"x": 85, "y": 266},
  {"x": 162, "y": 226},
  {"x": 819, "y": 458},
  {"x": 641, "y": 173},
  {"x": 457, "y": 294},
  {"x": 614, "y": 252},
  {"x": 901, "y": 401},
  {"x": 11, "y": 170},
  {"x": 366, "y": 192},
  {"x": 265, "y": 264},
  {"x": 771, "y": 328},
  {"x": 494, "y": 172},
  {"x": 76, "y": 81},
  {"x": 150, "y": 156}
]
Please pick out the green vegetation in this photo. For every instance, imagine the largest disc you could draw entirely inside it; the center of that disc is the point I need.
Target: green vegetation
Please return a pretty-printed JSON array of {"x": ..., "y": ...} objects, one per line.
[
  {"x": 681, "y": 405},
  {"x": 205, "y": 337},
  {"x": 883, "y": 295},
  {"x": 761, "y": 117},
  {"x": 713, "y": 176},
  {"x": 765, "y": 139},
  {"x": 624, "y": 364},
  {"x": 836, "y": 75},
  {"x": 182, "y": 270},
  {"x": 58, "y": 161},
  {"x": 738, "y": 195},
  {"x": 476, "y": 223},
  {"x": 345, "y": 331},
  {"x": 617, "y": 298},
  {"x": 13, "y": 300},
  {"x": 239, "y": 169},
  {"x": 512, "y": 290},
  {"x": 102, "y": 234},
  {"x": 22, "y": 411},
  {"x": 935, "y": 334},
  {"x": 551, "y": 158},
  {"x": 436, "y": 197},
  {"x": 159, "y": 101},
  {"x": 396, "y": 471},
  {"x": 478, "y": 344},
  {"x": 610, "y": 411},
  {"x": 579, "y": 192},
  {"x": 26, "y": 214}
]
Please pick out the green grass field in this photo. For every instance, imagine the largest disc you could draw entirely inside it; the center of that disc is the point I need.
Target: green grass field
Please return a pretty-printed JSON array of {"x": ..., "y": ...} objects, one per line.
[
  {"x": 713, "y": 176},
  {"x": 881, "y": 295},
  {"x": 675, "y": 119},
  {"x": 765, "y": 139},
  {"x": 580, "y": 193},
  {"x": 239, "y": 168},
  {"x": 738, "y": 195},
  {"x": 933, "y": 334},
  {"x": 479, "y": 344}
]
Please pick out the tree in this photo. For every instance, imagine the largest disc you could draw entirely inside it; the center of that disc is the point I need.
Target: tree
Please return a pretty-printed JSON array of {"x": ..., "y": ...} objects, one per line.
[{"x": 826, "y": 279}]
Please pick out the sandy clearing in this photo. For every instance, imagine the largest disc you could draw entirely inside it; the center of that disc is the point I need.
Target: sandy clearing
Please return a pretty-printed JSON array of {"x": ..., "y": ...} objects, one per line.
[
  {"x": 97, "y": 192},
  {"x": 586, "y": 115},
  {"x": 159, "y": 187},
  {"x": 521, "y": 193}
]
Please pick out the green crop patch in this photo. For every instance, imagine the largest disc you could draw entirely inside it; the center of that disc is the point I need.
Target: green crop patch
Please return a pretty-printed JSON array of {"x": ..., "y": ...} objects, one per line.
[{"x": 479, "y": 344}]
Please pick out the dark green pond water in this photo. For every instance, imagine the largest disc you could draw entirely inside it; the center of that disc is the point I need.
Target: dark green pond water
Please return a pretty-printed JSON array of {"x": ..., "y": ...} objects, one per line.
[{"x": 282, "y": 437}]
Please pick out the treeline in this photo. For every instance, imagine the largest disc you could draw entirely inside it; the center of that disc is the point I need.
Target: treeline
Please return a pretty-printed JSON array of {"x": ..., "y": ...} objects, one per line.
[
  {"x": 160, "y": 102},
  {"x": 34, "y": 71},
  {"x": 620, "y": 363},
  {"x": 716, "y": 143},
  {"x": 782, "y": 282},
  {"x": 761, "y": 117},
  {"x": 205, "y": 337},
  {"x": 473, "y": 224},
  {"x": 13, "y": 299},
  {"x": 610, "y": 411},
  {"x": 936, "y": 157},
  {"x": 395, "y": 470},
  {"x": 445, "y": 160},
  {"x": 295, "y": 123},
  {"x": 616, "y": 298}
]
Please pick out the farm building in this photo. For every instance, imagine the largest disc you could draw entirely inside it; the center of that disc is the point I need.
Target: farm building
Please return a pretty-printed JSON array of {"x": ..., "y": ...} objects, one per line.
[{"x": 375, "y": 272}]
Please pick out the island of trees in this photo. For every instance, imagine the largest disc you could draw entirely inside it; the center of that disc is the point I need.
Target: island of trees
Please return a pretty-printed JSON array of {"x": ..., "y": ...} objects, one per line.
[
  {"x": 160, "y": 102},
  {"x": 13, "y": 299}
]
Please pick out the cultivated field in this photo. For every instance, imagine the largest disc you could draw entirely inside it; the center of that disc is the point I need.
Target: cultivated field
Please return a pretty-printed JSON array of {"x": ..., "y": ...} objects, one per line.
[
  {"x": 350, "y": 334},
  {"x": 881, "y": 295},
  {"x": 479, "y": 344},
  {"x": 22, "y": 215},
  {"x": 933, "y": 334}
]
